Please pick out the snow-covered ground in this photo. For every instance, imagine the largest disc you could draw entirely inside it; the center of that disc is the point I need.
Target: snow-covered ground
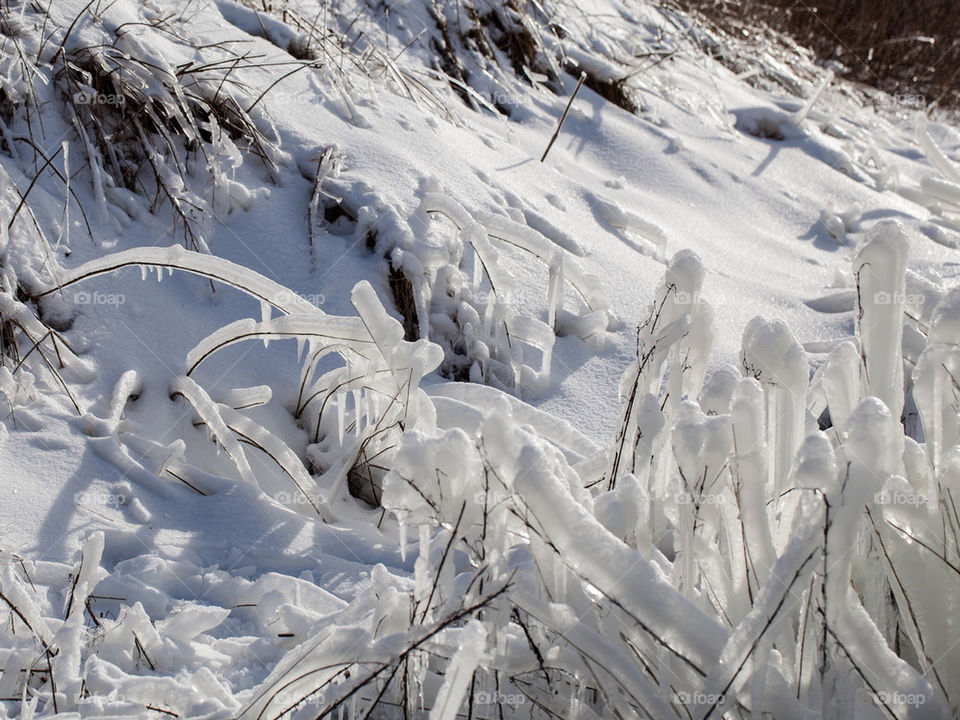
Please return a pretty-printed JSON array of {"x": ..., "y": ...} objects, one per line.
[{"x": 370, "y": 284}]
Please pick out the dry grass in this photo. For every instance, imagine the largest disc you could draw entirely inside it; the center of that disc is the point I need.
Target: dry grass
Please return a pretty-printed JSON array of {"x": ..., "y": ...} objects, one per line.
[{"x": 907, "y": 49}]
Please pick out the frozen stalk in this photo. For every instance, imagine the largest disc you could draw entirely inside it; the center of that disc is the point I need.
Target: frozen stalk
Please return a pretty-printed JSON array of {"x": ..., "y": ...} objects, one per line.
[
  {"x": 841, "y": 382},
  {"x": 749, "y": 471},
  {"x": 880, "y": 269},
  {"x": 801, "y": 114},
  {"x": 772, "y": 355},
  {"x": 868, "y": 459},
  {"x": 672, "y": 345},
  {"x": 936, "y": 383}
]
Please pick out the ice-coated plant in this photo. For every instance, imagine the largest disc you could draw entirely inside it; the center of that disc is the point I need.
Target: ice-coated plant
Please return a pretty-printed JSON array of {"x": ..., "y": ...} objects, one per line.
[
  {"x": 352, "y": 413},
  {"x": 699, "y": 582}
]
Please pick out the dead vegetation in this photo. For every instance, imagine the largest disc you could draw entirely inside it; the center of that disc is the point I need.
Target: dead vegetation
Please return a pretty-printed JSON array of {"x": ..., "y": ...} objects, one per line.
[
  {"x": 905, "y": 49},
  {"x": 150, "y": 129},
  {"x": 516, "y": 35},
  {"x": 504, "y": 35},
  {"x": 403, "y": 297},
  {"x": 615, "y": 91}
]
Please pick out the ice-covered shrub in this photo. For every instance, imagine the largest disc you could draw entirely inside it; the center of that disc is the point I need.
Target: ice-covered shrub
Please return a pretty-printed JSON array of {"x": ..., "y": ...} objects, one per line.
[
  {"x": 450, "y": 285},
  {"x": 673, "y": 347},
  {"x": 466, "y": 294},
  {"x": 144, "y": 129},
  {"x": 352, "y": 413},
  {"x": 32, "y": 347},
  {"x": 802, "y": 571},
  {"x": 174, "y": 133}
]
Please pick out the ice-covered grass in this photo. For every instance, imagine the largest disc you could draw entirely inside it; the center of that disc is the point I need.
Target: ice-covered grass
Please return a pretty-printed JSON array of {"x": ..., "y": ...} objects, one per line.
[
  {"x": 682, "y": 589},
  {"x": 680, "y": 582},
  {"x": 300, "y": 478}
]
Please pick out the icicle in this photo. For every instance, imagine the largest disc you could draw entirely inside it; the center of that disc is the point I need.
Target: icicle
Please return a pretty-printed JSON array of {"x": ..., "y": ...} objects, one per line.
[
  {"x": 459, "y": 672},
  {"x": 516, "y": 364},
  {"x": 402, "y": 535},
  {"x": 64, "y": 234},
  {"x": 477, "y": 274},
  {"x": 373, "y": 408},
  {"x": 487, "y": 316},
  {"x": 555, "y": 290},
  {"x": 357, "y": 412},
  {"x": 749, "y": 470},
  {"x": 421, "y": 570},
  {"x": 841, "y": 382}
]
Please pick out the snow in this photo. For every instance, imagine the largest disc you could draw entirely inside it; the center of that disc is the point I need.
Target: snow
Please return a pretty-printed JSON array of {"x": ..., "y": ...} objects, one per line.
[{"x": 664, "y": 425}]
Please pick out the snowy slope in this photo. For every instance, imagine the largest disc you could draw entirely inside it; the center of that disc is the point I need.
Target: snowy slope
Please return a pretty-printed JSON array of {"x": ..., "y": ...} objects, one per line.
[{"x": 369, "y": 281}]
